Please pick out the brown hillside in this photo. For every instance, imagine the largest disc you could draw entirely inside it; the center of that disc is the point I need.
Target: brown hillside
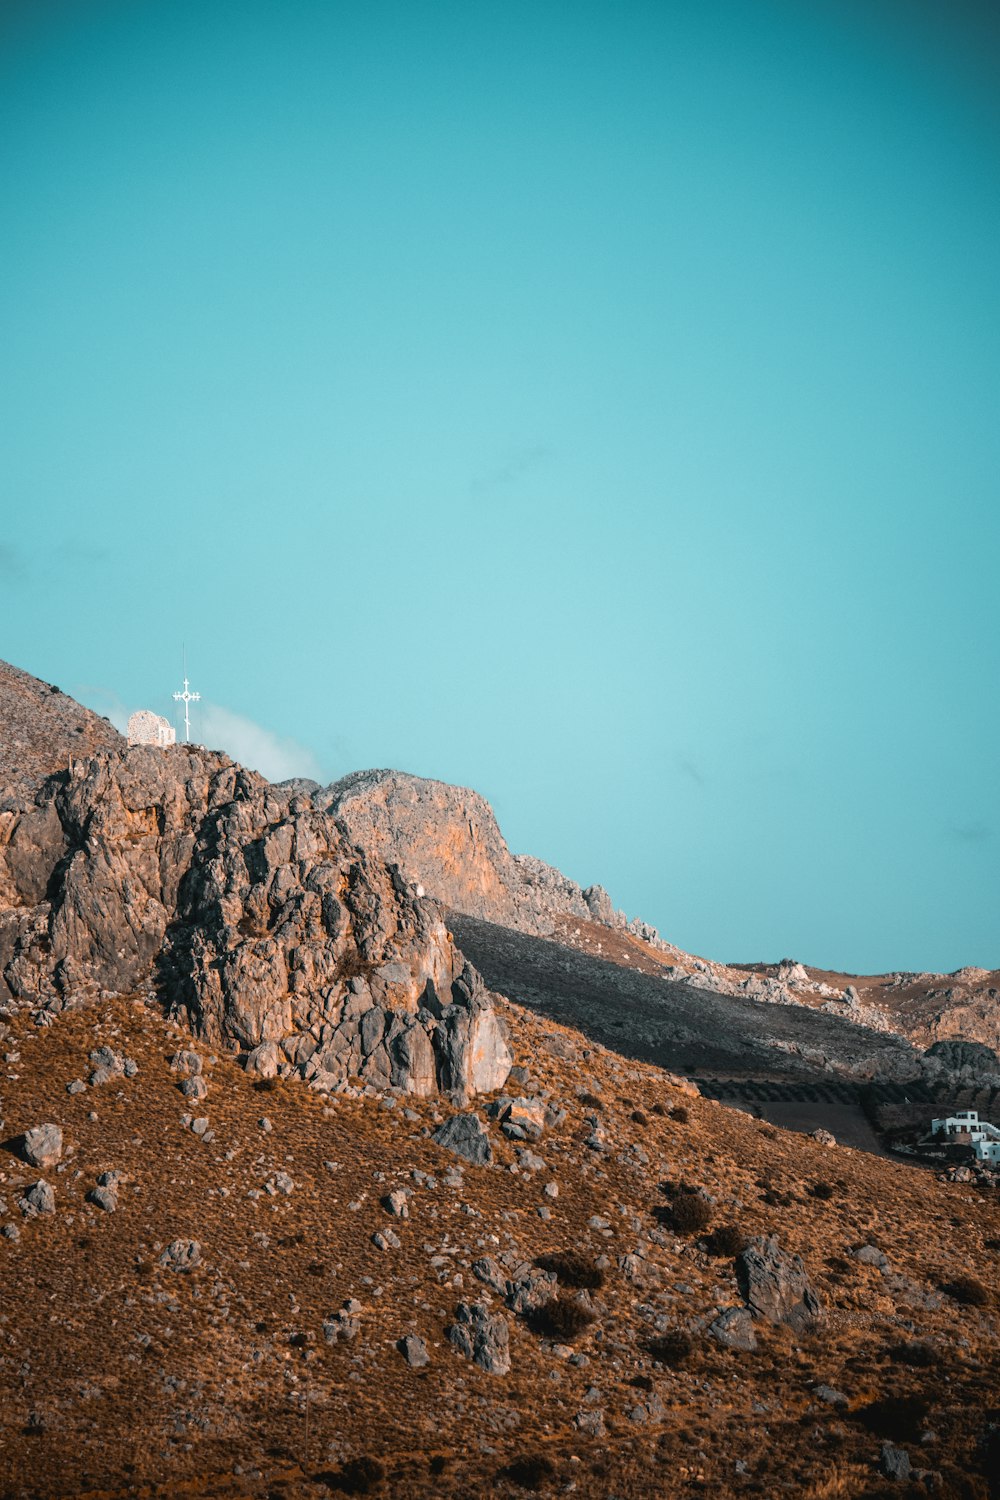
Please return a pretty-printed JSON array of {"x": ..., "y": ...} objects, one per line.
[{"x": 41, "y": 728}]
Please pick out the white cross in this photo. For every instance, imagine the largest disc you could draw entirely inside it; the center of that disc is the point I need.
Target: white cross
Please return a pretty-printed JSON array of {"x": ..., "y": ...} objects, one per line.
[{"x": 187, "y": 698}]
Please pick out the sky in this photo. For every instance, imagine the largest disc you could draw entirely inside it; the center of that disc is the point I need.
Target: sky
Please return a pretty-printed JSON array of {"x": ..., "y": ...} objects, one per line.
[{"x": 593, "y": 404}]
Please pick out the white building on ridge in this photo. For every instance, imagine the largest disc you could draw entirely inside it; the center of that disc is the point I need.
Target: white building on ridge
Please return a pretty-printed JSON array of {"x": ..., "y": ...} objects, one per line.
[{"x": 147, "y": 728}]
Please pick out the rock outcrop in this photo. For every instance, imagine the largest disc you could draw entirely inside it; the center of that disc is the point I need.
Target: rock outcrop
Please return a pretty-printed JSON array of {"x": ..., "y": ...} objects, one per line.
[
  {"x": 254, "y": 915},
  {"x": 447, "y": 839},
  {"x": 774, "y": 1284}
]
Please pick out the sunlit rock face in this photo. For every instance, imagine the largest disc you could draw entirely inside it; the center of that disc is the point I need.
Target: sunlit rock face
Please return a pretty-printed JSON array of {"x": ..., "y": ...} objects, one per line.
[{"x": 252, "y": 912}]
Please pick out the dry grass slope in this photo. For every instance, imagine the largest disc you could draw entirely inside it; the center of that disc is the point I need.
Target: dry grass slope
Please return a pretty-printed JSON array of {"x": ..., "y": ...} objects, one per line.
[{"x": 121, "y": 1377}]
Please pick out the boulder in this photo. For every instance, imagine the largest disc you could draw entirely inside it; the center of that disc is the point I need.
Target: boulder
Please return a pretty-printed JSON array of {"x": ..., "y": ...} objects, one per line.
[
  {"x": 894, "y": 1462},
  {"x": 42, "y": 1146},
  {"x": 774, "y": 1284},
  {"x": 414, "y": 1351},
  {"x": 181, "y": 1255},
  {"x": 733, "y": 1329},
  {"x": 39, "y": 1199},
  {"x": 481, "y": 1336},
  {"x": 466, "y": 1136}
]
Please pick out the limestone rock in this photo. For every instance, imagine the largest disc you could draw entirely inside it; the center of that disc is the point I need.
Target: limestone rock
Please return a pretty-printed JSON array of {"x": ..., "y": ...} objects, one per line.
[
  {"x": 734, "y": 1330},
  {"x": 39, "y": 1199},
  {"x": 467, "y": 1137},
  {"x": 774, "y": 1284},
  {"x": 482, "y": 1336},
  {"x": 43, "y": 1146},
  {"x": 262, "y": 924},
  {"x": 414, "y": 1351},
  {"x": 181, "y": 1255}
]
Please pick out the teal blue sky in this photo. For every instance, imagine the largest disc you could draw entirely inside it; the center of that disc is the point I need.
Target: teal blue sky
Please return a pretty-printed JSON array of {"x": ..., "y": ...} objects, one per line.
[{"x": 595, "y": 404}]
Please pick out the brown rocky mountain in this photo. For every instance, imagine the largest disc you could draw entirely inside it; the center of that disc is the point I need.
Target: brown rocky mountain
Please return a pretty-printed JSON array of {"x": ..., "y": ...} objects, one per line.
[
  {"x": 292, "y": 1205},
  {"x": 251, "y": 914},
  {"x": 41, "y": 729},
  {"x": 447, "y": 839}
]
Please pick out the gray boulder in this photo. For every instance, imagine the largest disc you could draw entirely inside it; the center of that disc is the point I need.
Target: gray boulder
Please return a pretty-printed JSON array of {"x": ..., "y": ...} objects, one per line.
[
  {"x": 774, "y": 1284},
  {"x": 42, "y": 1146},
  {"x": 894, "y": 1462},
  {"x": 104, "y": 1198},
  {"x": 871, "y": 1255},
  {"x": 181, "y": 1255},
  {"x": 482, "y": 1337},
  {"x": 733, "y": 1329},
  {"x": 466, "y": 1136},
  {"x": 39, "y": 1199},
  {"x": 414, "y": 1351}
]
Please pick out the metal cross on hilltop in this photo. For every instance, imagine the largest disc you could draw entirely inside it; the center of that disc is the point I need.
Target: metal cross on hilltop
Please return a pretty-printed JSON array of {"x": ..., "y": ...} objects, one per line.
[{"x": 187, "y": 697}]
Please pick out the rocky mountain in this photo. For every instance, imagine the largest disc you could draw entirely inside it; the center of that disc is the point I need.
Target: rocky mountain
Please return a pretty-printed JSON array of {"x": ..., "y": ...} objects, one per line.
[
  {"x": 447, "y": 839},
  {"x": 251, "y": 914},
  {"x": 41, "y": 729},
  {"x": 292, "y": 1204}
]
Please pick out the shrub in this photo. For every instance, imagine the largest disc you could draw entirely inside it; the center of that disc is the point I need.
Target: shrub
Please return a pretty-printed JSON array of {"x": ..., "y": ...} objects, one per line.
[
  {"x": 590, "y": 1100},
  {"x": 438, "y": 1464},
  {"x": 899, "y": 1418},
  {"x": 967, "y": 1290},
  {"x": 823, "y": 1190},
  {"x": 690, "y": 1214},
  {"x": 726, "y": 1239},
  {"x": 266, "y": 1085},
  {"x": 638, "y": 1118},
  {"x": 671, "y": 1348},
  {"x": 359, "y": 1476},
  {"x": 572, "y": 1269},
  {"x": 560, "y": 1319},
  {"x": 642, "y": 1383},
  {"x": 918, "y": 1355},
  {"x": 530, "y": 1472},
  {"x": 680, "y": 1113},
  {"x": 657, "y": 1109}
]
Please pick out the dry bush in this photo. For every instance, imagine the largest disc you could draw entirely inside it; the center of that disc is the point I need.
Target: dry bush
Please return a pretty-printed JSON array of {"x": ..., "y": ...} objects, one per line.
[
  {"x": 726, "y": 1239},
  {"x": 822, "y": 1190},
  {"x": 572, "y": 1269},
  {"x": 657, "y": 1109},
  {"x": 359, "y": 1476},
  {"x": 898, "y": 1418},
  {"x": 966, "y": 1290},
  {"x": 638, "y": 1118},
  {"x": 530, "y": 1472},
  {"x": 591, "y": 1101},
  {"x": 560, "y": 1319},
  {"x": 671, "y": 1348},
  {"x": 680, "y": 1113},
  {"x": 690, "y": 1214},
  {"x": 917, "y": 1354}
]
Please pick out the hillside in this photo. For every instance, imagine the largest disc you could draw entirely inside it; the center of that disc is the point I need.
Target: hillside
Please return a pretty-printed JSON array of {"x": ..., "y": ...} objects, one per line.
[
  {"x": 447, "y": 839},
  {"x": 40, "y": 729},
  {"x": 225, "y": 1316},
  {"x": 295, "y": 1201}
]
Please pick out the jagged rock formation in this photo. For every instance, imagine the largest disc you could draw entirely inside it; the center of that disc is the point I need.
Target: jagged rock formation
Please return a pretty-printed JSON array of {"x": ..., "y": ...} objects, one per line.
[
  {"x": 448, "y": 839},
  {"x": 41, "y": 729},
  {"x": 254, "y": 915}
]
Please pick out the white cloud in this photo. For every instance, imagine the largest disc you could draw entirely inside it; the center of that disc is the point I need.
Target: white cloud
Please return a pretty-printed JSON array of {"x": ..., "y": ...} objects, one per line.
[{"x": 275, "y": 756}]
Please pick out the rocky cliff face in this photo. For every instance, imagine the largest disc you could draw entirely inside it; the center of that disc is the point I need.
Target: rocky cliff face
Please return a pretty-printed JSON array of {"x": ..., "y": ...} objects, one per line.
[
  {"x": 447, "y": 838},
  {"x": 41, "y": 729},
  {"x": 253, "y": 913}
]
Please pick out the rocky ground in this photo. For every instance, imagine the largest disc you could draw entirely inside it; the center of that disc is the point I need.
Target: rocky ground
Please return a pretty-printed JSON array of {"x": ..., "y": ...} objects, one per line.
[{"x": 266, "y": 1293}]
